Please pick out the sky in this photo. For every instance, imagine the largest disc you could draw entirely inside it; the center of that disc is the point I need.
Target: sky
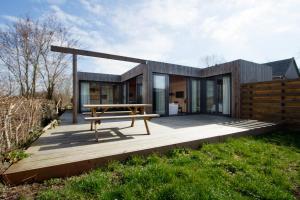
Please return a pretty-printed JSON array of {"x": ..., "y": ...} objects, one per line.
[{"x": 173, "y": 31}]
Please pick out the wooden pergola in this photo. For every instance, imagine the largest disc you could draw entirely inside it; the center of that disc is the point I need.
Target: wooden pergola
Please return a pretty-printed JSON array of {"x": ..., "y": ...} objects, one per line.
[{"x": 81, "y": 52}]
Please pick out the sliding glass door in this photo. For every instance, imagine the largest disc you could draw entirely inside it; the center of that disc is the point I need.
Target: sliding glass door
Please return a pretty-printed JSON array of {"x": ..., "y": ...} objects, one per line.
[
  {"x": 84, "y": 95},
  {"x": 226, "y": 95},
  {"x": 195, "y": 96},
  {"x": 218, "y": 95},
  {"x": 160, "y": 93},
  {"x": 139, "y": 89},
  {"x": 210, "y": 96}
]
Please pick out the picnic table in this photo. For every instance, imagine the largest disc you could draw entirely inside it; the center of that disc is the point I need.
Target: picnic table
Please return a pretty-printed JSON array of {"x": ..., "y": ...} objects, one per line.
[{"x": 133, "y": 112}]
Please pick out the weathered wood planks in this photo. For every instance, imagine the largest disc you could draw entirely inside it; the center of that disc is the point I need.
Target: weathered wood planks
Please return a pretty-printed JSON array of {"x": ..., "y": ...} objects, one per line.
[{"x": 277, "y": 100}]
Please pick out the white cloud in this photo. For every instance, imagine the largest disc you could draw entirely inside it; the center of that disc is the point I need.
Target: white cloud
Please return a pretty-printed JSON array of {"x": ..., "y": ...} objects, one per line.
[
  {"x": 10, "y": 18},
  {"x": 93, "y": 6},
  {"x": 68, "y": 19},
  {"x": 184, "y": 31}
]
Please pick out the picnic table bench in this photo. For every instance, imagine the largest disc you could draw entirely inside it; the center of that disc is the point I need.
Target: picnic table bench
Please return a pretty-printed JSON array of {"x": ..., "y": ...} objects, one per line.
[{"x": 135, "y": 111}]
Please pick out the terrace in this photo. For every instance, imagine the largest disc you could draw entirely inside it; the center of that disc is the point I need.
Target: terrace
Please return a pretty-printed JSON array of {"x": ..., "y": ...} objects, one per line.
[{"x": 70, "y": 149}]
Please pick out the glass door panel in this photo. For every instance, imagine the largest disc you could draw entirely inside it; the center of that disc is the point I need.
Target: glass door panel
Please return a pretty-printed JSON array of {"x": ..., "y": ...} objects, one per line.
[
  {"x": 195, "y": 95},
  {"x": 84, "y": 95},
  {"x": 159, "y": 94},
  {"x": 139, "y": 89},
  {"x": 210, "y": 96},
  {"x": 220, "y": 95},
  {"x": 94, "y": 93},
  {"x": 107, "y": 94},
  {"x": 226, "y": 95}
]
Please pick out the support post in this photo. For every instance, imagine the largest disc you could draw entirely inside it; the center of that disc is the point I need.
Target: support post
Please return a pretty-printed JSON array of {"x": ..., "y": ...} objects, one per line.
[{"x": 75, "y": 89}]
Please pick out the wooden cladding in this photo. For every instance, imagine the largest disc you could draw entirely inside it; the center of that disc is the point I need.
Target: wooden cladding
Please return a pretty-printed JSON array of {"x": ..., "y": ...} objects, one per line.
[{"x": 272, "y": 101}]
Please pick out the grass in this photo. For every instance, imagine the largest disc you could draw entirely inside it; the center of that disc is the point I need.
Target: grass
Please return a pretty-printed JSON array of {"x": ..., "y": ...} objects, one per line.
[{"x": 263, "y": 167}]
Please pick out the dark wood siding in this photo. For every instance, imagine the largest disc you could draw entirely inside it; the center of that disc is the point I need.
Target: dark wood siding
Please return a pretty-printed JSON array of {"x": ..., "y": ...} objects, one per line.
[
  {"x": 253, "y": 72},
  {"x": 136, "y": 71},
  {"x": 87, "y": 76}
]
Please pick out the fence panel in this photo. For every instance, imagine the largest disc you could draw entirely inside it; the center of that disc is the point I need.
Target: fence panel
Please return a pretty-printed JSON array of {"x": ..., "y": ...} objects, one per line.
[{"x": 271, "y": 101}]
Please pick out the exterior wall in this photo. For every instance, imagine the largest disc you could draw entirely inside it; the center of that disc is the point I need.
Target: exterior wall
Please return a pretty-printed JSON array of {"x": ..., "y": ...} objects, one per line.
[
  {"x": 233, "y": 69},
  {"x": 252, "y": 72},
  {"x": 241, "y": 72},
  {"x": 87, "y": 76},
  {"x": 136, "y": 71},
  {"x": 292, "y": 72}
]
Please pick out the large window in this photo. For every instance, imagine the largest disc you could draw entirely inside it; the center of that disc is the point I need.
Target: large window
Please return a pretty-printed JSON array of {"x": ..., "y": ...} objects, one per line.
[
  {"x": 159, "y": 94},
  {"x": 195, "y": 95},
  {"x": 99, "y": 93}
]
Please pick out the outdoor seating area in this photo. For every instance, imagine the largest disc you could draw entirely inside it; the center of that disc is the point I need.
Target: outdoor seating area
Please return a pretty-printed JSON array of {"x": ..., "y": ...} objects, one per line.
[
  {"x": 136, "y": 111},
  {"x": 70, "y": 149}
]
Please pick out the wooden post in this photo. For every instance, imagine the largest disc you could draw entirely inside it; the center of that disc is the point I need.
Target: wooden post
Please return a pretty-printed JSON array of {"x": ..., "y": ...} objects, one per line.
[{"x": 75, "y": 89}]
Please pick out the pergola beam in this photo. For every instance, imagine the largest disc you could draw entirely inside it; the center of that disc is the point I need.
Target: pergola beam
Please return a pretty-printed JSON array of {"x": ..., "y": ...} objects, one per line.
[{"x": 96, "y": 54}]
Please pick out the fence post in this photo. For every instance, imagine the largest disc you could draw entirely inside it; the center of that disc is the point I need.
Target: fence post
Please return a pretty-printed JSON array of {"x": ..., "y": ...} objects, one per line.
[
  {"x": 250, "y": 101},
  {"x": 282, "y": 101}
]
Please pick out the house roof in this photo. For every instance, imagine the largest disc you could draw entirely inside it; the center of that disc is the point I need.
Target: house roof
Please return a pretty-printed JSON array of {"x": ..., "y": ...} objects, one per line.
[{"x": 280, "y": 67}]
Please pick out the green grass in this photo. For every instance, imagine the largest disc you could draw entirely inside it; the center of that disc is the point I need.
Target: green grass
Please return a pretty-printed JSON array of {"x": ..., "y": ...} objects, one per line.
[{"x": 264, "y": 167}]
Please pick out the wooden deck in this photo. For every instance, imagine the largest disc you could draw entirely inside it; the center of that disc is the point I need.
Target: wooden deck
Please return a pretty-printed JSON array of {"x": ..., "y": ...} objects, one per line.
[{"x": 71, "y": 149}]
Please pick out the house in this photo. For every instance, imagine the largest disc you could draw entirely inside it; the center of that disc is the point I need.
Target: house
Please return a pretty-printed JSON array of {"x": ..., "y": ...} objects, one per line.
[
  {"x": 171, "y": 89},
  {"x": 284, "y": 69},
  {"x": 174, "y": 89}
]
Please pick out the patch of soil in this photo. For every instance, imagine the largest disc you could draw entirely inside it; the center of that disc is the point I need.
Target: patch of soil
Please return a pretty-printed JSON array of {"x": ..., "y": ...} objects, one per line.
[{"x": 25, "y": 191}]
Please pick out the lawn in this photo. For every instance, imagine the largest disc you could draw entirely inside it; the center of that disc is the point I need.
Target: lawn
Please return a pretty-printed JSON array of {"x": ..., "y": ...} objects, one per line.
[{"x": 262, "y": 167}]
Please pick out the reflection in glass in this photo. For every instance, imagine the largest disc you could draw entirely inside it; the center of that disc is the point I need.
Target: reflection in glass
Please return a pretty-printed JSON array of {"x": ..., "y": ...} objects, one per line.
[
  {"x": 139, "y": 89},
  {"x": 226, "y": 95},
  {"x": 84, "y": 95},
  {"x": 159, "y": 94},
  {"x": 107, "y": 94},
  {"x": 210, "y": 97},
  {"x": 195, "y": 96}
]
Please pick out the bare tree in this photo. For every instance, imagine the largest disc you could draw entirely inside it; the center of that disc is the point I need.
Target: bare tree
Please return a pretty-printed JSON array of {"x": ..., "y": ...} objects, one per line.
[
  {"x": 54, "y": 64},
  {"x": 211, "y": 60},
  {"x": 25, "y": 51},
  {"x": 8, "y": 85},
  {"x": 15, "y": 51}
]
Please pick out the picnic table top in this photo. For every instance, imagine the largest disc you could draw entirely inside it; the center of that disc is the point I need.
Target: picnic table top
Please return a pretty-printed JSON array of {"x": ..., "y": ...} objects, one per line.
[{"x": 115, "y": 105}]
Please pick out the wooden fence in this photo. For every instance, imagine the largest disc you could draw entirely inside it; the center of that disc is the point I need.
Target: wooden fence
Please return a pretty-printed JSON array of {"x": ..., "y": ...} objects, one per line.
[{"x": 272, "y": 101}]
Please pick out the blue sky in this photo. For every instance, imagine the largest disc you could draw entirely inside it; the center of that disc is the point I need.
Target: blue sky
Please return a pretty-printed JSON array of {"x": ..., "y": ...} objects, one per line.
[{"x": 173, "y": 31}]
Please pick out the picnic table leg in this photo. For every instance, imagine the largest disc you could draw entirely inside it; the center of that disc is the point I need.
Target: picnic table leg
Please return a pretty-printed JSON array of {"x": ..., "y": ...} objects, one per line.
[
  {"x": 96, "y": 132},
  {"x": 146, "y": 125},
  {"x": 93, "y": 115},
  {"x": 133, "y": 119},
  {"x": 143, "y": 111}
]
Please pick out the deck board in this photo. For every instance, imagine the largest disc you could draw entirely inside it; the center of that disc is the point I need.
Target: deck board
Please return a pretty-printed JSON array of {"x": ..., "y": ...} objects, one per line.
[{"x": 71, "y": 149}]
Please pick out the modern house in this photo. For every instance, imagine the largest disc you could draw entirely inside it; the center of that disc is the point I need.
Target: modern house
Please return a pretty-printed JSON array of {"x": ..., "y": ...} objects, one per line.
[
  {"x": 174, "y": 89},
  {"x": 284, "y": 69}
]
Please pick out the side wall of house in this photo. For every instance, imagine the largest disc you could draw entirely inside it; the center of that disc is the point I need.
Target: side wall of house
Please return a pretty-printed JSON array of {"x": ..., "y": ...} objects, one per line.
[
  {"x": 252, "y": 72},
  {"x": 87, "y": 76}
]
